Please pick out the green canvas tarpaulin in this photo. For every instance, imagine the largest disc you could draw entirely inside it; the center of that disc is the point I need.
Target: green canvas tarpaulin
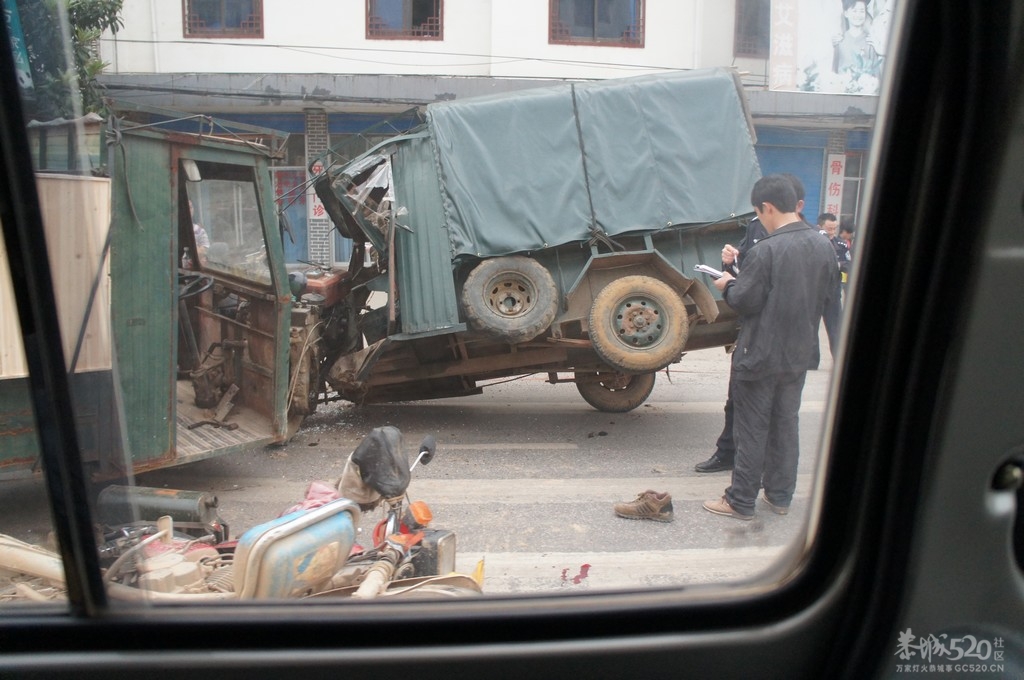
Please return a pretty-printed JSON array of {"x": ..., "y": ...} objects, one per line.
[{"x": 524, "y": 171}]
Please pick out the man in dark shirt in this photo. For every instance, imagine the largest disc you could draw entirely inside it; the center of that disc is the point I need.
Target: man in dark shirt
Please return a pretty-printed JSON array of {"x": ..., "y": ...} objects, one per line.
[
  {"x": 725, "y": 448},
  {"x": 780, "y": 298}
]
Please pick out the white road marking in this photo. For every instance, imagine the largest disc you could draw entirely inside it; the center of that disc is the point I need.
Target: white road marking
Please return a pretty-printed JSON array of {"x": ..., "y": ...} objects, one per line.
[{"x": 530, "y": 491}]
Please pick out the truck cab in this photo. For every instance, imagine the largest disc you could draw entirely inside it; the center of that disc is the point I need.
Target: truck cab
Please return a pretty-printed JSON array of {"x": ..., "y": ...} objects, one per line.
[{"x": 187, "y": 346}]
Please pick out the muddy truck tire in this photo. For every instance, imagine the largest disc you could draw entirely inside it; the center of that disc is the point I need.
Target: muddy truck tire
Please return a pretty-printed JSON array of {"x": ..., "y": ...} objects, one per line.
[
  {"x": 638, "y": 324},
  {"x": 614, "y": 392},
  {"x": 513, "y": 299}
]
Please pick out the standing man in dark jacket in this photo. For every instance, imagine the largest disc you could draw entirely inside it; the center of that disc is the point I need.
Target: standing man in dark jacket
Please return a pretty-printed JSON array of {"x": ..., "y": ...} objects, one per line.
[
  {"x": 732, "y": 256},
  {"x": 780, "y": 298},
  {"x": 725, "y": 447}
]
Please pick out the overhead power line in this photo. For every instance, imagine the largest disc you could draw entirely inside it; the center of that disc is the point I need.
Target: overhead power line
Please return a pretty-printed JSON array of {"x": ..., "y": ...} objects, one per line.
[
  {"x": 279, "y": 96},
  {"x": 315, "y": 49}
]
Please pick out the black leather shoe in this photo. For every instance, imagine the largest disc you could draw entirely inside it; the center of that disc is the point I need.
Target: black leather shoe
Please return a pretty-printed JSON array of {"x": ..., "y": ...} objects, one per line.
[{"x": 714, "y": 464}]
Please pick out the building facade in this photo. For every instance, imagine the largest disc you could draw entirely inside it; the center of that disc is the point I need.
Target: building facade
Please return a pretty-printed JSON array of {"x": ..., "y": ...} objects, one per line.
[{"x": 350, "y": 72}]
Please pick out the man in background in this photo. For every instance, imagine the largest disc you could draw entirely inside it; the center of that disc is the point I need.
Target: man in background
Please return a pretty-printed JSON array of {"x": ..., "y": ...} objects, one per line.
[{"x": 827, "y": 225}]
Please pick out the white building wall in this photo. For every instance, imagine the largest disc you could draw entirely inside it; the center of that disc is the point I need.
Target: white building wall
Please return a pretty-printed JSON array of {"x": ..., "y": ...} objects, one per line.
[
  {"x": 500, "y": 38},
  {"x": 521, "y": 30},
  {"x": 311, "y": 36}
]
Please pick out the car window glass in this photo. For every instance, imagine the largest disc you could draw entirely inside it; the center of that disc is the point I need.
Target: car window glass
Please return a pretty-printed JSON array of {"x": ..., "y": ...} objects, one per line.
[{"x": 518, "y": 301}]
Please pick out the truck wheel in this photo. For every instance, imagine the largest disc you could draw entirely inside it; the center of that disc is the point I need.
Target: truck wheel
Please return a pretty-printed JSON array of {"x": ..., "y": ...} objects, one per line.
[
  {"x": 510, "y": 298},
  {"x": 613, "y": 392},
  {"x": 638, "y": 324}
]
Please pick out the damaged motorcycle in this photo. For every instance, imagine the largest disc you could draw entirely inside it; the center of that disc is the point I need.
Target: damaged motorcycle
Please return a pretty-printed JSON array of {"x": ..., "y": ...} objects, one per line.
[{"x": 165, "y": 545}]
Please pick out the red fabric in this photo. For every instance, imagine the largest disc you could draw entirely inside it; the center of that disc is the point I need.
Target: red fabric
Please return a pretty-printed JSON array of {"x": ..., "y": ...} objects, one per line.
[{"x": 317, "y": 493}]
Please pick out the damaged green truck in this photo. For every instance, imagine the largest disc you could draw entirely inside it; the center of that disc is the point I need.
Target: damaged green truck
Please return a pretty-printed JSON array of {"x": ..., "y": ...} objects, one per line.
[{"x": 547, "y": 231}]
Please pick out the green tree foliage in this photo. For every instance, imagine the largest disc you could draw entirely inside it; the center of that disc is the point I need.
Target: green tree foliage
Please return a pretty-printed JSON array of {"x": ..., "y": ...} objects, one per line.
[{"x": 62, "y": 76}]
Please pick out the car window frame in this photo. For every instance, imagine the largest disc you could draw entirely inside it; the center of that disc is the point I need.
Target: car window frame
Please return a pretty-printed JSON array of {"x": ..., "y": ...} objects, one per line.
[{"x": 866, "y": 521}]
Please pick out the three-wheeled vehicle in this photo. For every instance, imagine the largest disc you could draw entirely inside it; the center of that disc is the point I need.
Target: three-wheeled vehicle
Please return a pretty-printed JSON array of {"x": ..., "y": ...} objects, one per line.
[{"x": 549, "y": 231}]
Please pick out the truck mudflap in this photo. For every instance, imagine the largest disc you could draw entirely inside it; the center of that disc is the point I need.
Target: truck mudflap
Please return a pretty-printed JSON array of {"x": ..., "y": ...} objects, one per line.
[{"x": 701, "y": 297}]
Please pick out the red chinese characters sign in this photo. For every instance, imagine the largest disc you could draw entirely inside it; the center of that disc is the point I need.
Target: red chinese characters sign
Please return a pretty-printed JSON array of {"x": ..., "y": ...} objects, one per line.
[
  {"x": 835, "y": 177},
  {"x": 314, "y": 205}
]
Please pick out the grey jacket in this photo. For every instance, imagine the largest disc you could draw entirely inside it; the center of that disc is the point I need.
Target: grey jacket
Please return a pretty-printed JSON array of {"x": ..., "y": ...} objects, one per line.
[{"x": 786, "y": 281}]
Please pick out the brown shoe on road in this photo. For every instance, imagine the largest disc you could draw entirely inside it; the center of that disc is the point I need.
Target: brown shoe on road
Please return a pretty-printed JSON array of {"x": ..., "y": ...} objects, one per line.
[
  {"x": 648, "y": 505},
  {"x": 721, "y": 506}
]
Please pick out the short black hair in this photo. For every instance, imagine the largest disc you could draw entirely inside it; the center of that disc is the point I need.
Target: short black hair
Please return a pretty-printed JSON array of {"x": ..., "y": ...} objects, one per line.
[
  {"x": 798, "y": 186},
  {"x": 826, "y": 217},
  {"x": 774, "y": 189}
]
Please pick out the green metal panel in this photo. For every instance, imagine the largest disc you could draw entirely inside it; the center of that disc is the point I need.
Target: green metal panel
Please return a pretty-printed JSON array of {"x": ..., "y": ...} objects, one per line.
[
  {"x": 279, "y": 276},
  {"x": 425, "y": 282},
  {"x": 143, "y": 276}
]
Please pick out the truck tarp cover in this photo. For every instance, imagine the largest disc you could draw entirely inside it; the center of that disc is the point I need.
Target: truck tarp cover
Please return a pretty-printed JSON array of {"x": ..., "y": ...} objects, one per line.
[{"x": 544, "y": 167}]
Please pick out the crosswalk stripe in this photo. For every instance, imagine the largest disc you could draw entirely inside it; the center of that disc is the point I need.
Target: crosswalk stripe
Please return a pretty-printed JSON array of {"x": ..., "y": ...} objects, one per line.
[{"x": 530, "y": 491}]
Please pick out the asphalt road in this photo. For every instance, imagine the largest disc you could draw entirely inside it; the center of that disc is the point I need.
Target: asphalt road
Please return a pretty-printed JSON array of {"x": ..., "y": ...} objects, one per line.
[{"x": 526, "y": 475}]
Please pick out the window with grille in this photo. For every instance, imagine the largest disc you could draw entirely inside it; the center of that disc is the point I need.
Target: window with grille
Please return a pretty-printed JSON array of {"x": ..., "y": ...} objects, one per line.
[
  {"x": 223, "y": 18},
  {"x": 597, "y": 22},
  {"x": 753, "y": 26},
  {"x": 405, "y": 19}
]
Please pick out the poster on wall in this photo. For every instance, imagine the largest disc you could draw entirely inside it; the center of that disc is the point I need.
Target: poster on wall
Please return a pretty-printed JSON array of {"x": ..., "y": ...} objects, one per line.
[{"x": 830, "y": 46}]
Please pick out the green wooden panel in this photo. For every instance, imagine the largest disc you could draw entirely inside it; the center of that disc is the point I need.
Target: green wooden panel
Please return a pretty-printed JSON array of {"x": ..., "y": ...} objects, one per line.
[{"x": 143, "y": 276}]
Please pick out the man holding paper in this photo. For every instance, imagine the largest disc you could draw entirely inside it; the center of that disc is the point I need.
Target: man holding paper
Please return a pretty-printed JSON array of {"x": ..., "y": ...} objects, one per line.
[{"x": 780, "y": 298}]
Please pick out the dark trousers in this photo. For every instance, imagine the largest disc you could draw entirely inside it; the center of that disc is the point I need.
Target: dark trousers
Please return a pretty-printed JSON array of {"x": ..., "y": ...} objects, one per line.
[
  {"x": 832, "y": 316},
  {"x": 725, "y": 447},
  {"x": 766, "y": 427}
]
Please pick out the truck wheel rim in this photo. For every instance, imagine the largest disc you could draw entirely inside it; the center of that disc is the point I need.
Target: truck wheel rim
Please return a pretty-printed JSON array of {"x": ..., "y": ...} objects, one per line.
[
  {"x": 511, "y": 296},
  {"x": 638, "y": 322}
]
